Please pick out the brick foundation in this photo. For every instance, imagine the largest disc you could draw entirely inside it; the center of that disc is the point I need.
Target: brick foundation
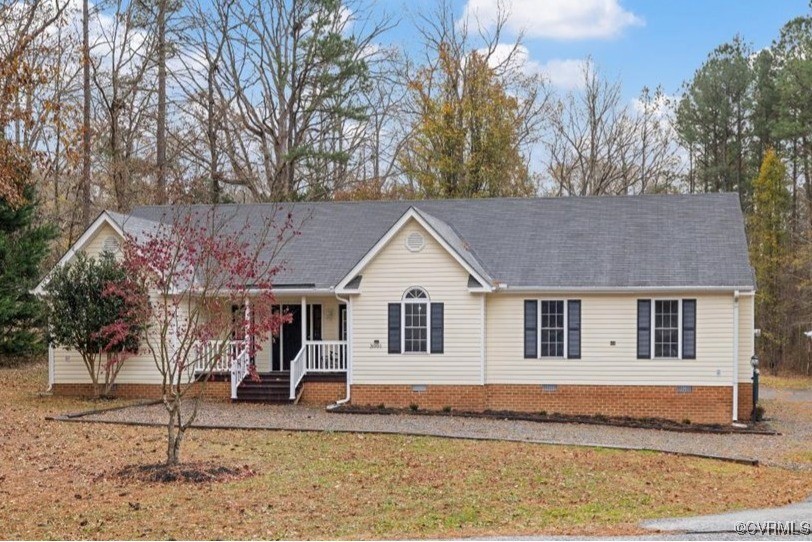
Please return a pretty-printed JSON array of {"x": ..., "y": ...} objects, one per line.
[
  {"x": 433, "y": 398},
  {"x": 702, "y": 404},
  {"x": 214, "y": 390},
  {"x": 745, "y": 401},
  {"x": 323, "y": 392}
]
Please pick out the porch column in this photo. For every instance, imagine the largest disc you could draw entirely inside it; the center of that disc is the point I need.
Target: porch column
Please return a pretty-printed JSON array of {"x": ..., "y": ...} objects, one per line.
[
  {"x": 304, "y": 320},
  {"x": 247, "y": 324},
  {"x": 247, "y": 316}
]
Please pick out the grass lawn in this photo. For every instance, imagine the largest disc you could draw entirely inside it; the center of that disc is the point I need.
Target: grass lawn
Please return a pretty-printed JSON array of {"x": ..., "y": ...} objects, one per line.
[
  {"x": 788, "y": 382},
  {"x": 57, "y": 480}
]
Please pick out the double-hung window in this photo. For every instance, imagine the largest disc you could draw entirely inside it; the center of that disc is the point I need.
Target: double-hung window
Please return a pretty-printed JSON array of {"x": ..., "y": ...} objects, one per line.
[
  {"x": 416, "y": 325},
  {"x": 415, "y": 321},
  {"x": 552, "y": 328},
  {"x": 666, "y": 328}
]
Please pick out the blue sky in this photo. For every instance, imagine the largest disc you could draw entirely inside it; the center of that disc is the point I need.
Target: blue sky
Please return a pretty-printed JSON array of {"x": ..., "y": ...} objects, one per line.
[{"x": 645, "y": 42}]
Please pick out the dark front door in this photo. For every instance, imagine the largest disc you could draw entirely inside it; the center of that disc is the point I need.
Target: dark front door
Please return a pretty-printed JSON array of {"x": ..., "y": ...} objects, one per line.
[{"x": 291, "y": 335}]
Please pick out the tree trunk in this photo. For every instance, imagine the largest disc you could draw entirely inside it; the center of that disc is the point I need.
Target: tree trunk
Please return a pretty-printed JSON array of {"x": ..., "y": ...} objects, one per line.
[
  {"x": 160, "y": 138},
  {"x": 211, "y": 133},
  {"x": 175, "y": 434},
  {"x": 85, "y": 114}
]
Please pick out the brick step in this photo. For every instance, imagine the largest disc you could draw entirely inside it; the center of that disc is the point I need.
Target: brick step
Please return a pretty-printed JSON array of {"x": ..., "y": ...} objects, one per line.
[
  {"x": 265, "y": 387},
  {"x": 279, "y": 401},
  {"x": 264, "y": 396}
]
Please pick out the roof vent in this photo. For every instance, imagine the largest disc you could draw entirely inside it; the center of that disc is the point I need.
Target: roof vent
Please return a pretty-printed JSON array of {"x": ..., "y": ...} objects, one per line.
[
  {"x": 415, "y": 242},
  {"x": 110, "y": 244}
]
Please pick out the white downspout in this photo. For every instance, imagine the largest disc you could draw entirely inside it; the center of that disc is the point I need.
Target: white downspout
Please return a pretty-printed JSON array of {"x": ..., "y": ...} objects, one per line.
[
  {"x": 51, "y": 359},
  {"x": 482, "y": 340},
  {"x": 735, "y": 355},
  {"x": 348, "y": 338}
]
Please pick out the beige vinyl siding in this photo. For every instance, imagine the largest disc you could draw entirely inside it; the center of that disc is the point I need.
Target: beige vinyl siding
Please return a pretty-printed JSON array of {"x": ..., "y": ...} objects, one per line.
[
  {"x": 385, "y": 279},
  {"x": 94, "y": 245},
  {"x": 607, "y": 318},
  {"x": 68, "y": 365}
]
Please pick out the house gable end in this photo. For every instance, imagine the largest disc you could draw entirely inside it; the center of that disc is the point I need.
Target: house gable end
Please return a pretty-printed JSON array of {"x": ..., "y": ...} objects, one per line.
[
  {"x": 91, "y": 242},
  {"x": 411, "y": 216}
]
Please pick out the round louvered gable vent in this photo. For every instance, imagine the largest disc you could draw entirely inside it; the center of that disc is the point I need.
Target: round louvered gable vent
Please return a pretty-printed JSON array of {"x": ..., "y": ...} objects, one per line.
[
  {"x": 110, "y": 244},
  {"x": 415, "y": 242}
]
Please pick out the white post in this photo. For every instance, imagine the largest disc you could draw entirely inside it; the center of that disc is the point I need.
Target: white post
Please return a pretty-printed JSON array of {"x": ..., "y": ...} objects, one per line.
[
  {"x": 304, "y": 325},
  {"x": 248, "y": 330},
  {"x": 349, "y": 340}
]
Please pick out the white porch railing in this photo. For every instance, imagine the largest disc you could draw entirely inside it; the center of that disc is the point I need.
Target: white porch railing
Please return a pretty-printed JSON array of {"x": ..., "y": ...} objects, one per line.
[
  {"x": 239, "y": 370},
  {"x": 326, "y": 356},
  {"x": 297, "y": 371},
  {"x": 215, "y": 356},
  {"x": 224, "y": 357},
  {"x": 317, "y": 357}
]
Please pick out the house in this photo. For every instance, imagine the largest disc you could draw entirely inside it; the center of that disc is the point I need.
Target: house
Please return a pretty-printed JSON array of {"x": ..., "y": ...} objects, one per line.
[{"x": 635, "y": 306}]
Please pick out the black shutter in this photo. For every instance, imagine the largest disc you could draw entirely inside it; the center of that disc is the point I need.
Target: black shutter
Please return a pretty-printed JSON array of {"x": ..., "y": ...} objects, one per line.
[
  {"x": 531, "y": 322},
  {"x": 689, "y": 329},
  {"x": 437, "y": 327},
  {"x": 643, "y": 329},
  {"x": 574, "y": 329},
  {"x": 393, "y": 337}
]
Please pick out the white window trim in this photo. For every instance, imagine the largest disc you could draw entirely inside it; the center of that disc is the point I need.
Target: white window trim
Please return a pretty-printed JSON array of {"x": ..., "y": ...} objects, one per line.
[
  {"x": 566, "y": 328},
  {"x": 412, "y": 301},
  {"x": 679, "y": 327}
]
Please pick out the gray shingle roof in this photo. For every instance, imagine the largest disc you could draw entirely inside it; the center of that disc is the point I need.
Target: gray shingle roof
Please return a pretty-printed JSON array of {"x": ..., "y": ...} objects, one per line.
[{"x": 694, "y": 241}]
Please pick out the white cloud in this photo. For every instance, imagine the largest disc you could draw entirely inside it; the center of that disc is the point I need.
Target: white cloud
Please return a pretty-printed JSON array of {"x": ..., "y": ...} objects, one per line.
[
  {"x": 556, "y": 19},
  {"x": 567, "y": 73}
]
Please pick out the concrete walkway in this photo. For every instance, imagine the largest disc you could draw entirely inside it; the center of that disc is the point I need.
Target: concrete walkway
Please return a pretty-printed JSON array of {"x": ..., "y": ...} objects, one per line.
[
  {"x": 798, "y": 515},
  {"x": 767, "y": 449}
]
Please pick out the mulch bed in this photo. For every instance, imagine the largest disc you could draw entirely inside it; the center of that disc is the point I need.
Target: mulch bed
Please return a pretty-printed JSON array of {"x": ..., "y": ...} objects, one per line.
[
  {"x": 194, "y": 472},
  {"x": 759, "y": 428}
]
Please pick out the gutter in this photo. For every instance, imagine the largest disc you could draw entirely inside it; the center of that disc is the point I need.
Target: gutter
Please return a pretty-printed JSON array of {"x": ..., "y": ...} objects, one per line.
[
  {"x": 735, "y": 355},
  {"x": 346, "y": 399},
  {"x": 745, "y": 290}
]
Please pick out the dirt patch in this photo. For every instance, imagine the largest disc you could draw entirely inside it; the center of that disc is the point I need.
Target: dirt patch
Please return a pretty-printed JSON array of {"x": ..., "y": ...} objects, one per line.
[
  {"x": 760, "y": 428},
  {"x": 197, "y": 472}
]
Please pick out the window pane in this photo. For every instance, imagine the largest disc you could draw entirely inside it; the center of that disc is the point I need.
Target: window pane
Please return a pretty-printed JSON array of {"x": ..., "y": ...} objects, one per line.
[
  {"x": 415, "y": 327},
  {"x": 666, "y": 328},
  {"x": 552, "y": 329}
]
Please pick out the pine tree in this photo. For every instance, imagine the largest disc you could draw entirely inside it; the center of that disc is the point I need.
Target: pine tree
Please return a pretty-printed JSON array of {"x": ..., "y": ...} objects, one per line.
[
  {"x": 23, "y": 246},
  {"x": 768, "y": 226}
]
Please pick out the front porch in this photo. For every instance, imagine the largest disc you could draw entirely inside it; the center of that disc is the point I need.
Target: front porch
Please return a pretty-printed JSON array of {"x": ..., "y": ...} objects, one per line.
[{"x": 313, "y": 347}]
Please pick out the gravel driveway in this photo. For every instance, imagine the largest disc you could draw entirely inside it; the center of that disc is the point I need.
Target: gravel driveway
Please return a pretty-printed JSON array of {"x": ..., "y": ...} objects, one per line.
[{"x": 791, "y": 449}]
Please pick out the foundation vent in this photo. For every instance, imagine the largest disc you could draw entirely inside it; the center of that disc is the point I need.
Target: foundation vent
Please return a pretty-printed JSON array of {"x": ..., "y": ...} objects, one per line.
[
  {"x": 549, "y": 388},
  {"x": 419, "y": 389},
  {"x": 685, "y": 389}
]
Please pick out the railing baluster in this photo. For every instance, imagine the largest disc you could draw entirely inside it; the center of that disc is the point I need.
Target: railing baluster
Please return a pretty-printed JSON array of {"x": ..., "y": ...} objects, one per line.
[{"x": 325, "y": 356}]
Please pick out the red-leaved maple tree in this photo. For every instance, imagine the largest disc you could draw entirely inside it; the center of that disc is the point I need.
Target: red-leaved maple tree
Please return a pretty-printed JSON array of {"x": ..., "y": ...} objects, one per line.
[{"x": 206, "y": 270}]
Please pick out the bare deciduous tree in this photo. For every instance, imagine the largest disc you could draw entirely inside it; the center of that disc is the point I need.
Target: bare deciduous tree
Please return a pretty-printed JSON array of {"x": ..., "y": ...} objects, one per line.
[{"x": 596, "y": 144}]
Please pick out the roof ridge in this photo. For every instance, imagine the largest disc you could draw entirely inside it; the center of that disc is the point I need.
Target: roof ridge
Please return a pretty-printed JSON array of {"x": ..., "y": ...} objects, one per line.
[{"x": 412, "y": 202}]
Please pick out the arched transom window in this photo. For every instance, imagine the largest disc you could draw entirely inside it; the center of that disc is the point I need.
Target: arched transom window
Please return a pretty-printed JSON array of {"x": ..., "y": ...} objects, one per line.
[{"x": 415, "y": 320}]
